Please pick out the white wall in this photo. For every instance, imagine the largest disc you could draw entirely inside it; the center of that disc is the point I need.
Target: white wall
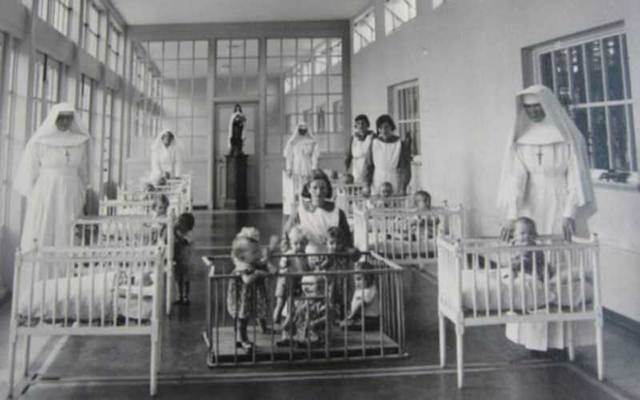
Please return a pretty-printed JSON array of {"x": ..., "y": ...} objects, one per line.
[{"x": 467, "y": 56}]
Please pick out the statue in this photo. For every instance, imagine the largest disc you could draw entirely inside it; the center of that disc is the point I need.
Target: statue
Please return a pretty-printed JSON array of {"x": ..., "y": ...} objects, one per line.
[{"x": 236, "y": 126}]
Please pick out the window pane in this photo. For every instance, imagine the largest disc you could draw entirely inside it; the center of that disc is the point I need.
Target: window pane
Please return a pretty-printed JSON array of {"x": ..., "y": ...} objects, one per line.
[
  {"x": 619, "y": 139},
  {"x": 186, "y": 49},
  {"x": 613, "y": 63},
  {"x": 579, "y": 95},
  {"x": 562, "y": 77},
  {"x": 600, "y": 144},
  {"x": 202, "y": 49},
  {"x": 594, "y": 71},
  {"x": 626, "y": 65}
]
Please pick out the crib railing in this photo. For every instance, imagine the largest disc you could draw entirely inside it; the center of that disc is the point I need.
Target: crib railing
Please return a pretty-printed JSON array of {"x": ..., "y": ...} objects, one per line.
[
  {"x": 125, "y": 207},
  {"x": 173, "y": 194},
  {"x": 130, "y": 232},
  {"x": 489, "y": 282},
  {"x": 86, "y": 291},
  {"x": 383, "y": 338},
  {"x": 408, "y": 237}
]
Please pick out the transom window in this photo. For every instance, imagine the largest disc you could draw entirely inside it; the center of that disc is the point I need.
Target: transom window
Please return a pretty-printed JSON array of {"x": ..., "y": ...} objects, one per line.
[
  {"x": 398, "y": 12},
  {"x": 114, "y": 48},
  {"x": 60, "y": 15},
  {"x": 92, "y": 30},
  {"x": 590, "y": 75},
  {"x": 405, "y": 101},
  {"x": 364, "y": 30}
]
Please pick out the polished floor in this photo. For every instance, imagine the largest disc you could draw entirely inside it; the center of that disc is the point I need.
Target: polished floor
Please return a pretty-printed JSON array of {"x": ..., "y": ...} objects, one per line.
[{"x": 117, "y": 368}]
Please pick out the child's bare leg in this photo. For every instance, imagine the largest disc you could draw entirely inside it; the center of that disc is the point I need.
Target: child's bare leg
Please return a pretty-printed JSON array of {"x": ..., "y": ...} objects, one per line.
[{"x": 277, "y": 312}]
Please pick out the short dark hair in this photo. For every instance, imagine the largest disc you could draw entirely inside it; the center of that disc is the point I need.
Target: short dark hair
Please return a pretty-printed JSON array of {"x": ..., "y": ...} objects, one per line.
[
  {"x": 423, "y": 193},
  {"x": 363, "y": 118},
  {"x": 317, "y": 174},
  {"x": 187, "y": 221},
  {"x": 385, "y": 118},
  {"x": 528, "y": 221}
]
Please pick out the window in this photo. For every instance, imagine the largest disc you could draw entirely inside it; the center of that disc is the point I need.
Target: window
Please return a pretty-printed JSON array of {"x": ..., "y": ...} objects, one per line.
[
  {"x": 43, "y": 9},
  {"x": 304, "y": 77},
  {"x": 338, "y": 111},
  {"x": 107, "y": 166},
  {"x": 590, "y": 75},
  {"x": 114, "y": 49},
  {"x": 237, "y": 67},
  {"x": 405, "y": 101},
  {"x": 92, "y": 29},
  {"x": 397, "y": 12},
  {"x": 85, "y": 90},
  {"x": 60, "y": 15},
  {"x": 46, "y": 87},
  {"x": 364, "y": 30}
]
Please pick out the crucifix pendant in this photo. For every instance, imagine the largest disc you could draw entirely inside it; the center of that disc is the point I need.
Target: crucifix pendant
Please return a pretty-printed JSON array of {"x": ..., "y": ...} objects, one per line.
[{"x": 539, "y": 154}]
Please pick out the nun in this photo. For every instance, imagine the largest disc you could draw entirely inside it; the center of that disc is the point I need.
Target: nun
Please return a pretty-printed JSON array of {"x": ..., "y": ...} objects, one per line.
[
  {"x": 388, "y": 158},
  {"x": 545, "y": 176},
  {"x": 53, "y": 175},
  {"x": 166, "y": 160},
  {"x": 358, "y": 148},
  {"x": 301, "y": 157}
]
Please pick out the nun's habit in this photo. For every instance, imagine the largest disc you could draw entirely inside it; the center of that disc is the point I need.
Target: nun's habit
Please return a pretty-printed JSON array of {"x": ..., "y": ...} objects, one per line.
[
  {"x": 53, "y": 175},
  {"x": 301, "y": 157},
  {"x": 165, "y": 159},
  {"x": 545, "y": 176}
]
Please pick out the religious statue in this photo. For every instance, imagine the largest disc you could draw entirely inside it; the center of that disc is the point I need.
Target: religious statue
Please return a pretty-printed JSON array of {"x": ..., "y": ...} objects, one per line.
[{"x": 236, "y": 126}]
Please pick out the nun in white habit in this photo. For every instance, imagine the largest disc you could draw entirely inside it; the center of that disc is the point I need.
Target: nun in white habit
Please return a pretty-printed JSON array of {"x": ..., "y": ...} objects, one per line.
[
  {"x": 301, "y": 157},
  {"x": 53, "y": 175},
  {"x": 545, "y": 176},
  {"x": 166, "y": 158}
]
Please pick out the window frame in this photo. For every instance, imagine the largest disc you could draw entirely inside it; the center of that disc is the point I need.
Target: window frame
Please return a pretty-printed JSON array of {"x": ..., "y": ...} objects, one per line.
[
  {"x": 388, "y": 30},
  {"x": 395, "y": 110},
  {"x": 364, "y": 41},
  {"x": 565, "y": 44},
  {"x": 88, "y": 30}
]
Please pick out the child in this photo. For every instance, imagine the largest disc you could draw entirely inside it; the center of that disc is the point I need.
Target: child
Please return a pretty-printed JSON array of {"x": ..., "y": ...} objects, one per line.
[
  {"x": 316, "y": 213},
  {"x": 160, "y": 205},
  {"x": 246, "y": 297},
  {"x": 342, "y": 193},
  {"x": 339, "y": 260},
  {"x": 182, "y": 256},
  {"x": 312, "y": 311},
  {"x": 422, "y": 199},
  {"x": 525, "y": 234},
  {"x": 383, "y": 200},
  {"x": 294, "y": 264},
  {"x": 364, "y": 301}
]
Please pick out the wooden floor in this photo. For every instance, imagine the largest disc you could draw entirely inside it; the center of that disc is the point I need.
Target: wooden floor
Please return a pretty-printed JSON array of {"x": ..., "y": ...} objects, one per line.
[{"x": 117, "y": 368}]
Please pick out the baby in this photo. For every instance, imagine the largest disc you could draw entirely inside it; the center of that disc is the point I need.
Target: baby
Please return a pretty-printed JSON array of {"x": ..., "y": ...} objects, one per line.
[
  {"x": 364, "y": 301},
  {"x": 422, "y": 199},
  {"x": 312, "y": 311},
  {"x": 383, "y": 198},
  {"x": 296, "y": 264},
  {"x": 246, "y": 295},
  {"x": 160, "y": 205},
  {"x": 182, "y": 262},
  {"x": 525, "y": 234},
  {"x": 342, "y": 193}
]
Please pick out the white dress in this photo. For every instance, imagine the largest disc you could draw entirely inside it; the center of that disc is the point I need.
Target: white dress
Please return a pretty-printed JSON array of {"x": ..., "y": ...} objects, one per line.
[
  {"x": 301, "y": 161},
  {"x": 359, "y": 150},
  {"x": 385, "y": 159},
  {"x": 58, "y": 195},
  {"x": 316, "y": 222}
]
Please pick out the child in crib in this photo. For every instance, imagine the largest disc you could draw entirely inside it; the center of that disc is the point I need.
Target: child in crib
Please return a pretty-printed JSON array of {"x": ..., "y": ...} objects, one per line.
[
  {"x": 422, "y": 199},
  {"x": 160, "y": 206},
  {"x": 525, "y": 234},
  {"x": 246, "y": 295},
  {"x": 295, "y": 264},
  {"x": 182, "y": 262},
  {"x": 364, "y": 301},
  {"x": 382, "y": 200},
  {"x": 312, "y": 312},
  {"x": 341, "y": 192}
]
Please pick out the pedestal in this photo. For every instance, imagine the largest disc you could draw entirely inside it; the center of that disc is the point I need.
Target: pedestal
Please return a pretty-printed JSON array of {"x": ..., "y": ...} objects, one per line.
[{"x": 236, "y": 182}]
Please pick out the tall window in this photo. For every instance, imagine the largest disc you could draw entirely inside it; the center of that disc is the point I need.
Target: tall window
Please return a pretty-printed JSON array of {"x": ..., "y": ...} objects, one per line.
[
  {"x": 590, "y": 75},
  {"x": 114, "y": 49},
  {"x": 237, "y": 67},
  {"x": 84, "y": 102},
  {"x": 107, "y": 135},
  {"x": 4, "y": 132},
  {"x": 397, "y": 12},
  {"x": 46, "y": 87},
  {"x": 92, "y": 29},
  {"x": 304, "y": 77},
  {"x": 182, "y": 91},
  {"x": 60, "y": 18},
  {"x": 364, "y": 30},
  {"x": 405, "y": 100}
]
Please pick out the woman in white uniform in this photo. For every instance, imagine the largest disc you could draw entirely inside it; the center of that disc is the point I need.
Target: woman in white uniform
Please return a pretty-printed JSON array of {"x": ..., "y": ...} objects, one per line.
[
  {"x": 389, "y": 158},
  {"x": 358, "y": 149},
  {"x": 53, "y": 175},
  {"x": 166, "y": 158},
  {"x": 301, "y": 157},
  {"x": 545, "y": 176}
]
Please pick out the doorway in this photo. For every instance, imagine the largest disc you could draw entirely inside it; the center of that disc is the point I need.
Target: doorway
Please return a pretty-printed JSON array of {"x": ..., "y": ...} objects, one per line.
[{"x": 222, "y": 112}]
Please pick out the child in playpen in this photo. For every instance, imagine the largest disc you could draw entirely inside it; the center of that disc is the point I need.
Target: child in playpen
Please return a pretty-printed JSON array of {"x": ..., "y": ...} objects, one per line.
[
  {"x": 286, "y": 287},
  {"x": 312, "y": 313},
  {"x": 382, "y": 199},
  {"x": 246, "y": 294},
  {"x": 341, "y": 193},
  {"x": 182, "y": 262},
  {"x": 365, "y": 305},
  {"x": 525, "y": 234}
]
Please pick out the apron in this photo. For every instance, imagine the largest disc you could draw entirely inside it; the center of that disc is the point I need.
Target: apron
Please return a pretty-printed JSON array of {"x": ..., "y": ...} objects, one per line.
[{"x": 385, "y": 161}]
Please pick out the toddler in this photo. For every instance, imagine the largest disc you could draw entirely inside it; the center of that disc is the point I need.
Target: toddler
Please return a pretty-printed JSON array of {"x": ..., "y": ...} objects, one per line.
[
  {"x": 364, "y": 301},
  {"x": 525, "y": 234},
  {"x": 246, "y": 295},
  {"x": 182, "y": 251},
  {"x": 160, "y": 205},
  {"x": 422, "y": 199},
  {"x": 383, "y": 198},
  {"x": 295, "y": 262}
]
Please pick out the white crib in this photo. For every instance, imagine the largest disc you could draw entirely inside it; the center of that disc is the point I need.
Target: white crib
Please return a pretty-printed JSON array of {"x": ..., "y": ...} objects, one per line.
[
  {"x": 488, "y": 282},
  {"x": 130, "y": 232},
  {"x": 407, "y": 236},
  {"x": 87, "y": 291}
]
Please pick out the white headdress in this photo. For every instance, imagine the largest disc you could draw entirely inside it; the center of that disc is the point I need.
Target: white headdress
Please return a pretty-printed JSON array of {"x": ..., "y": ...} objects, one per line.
[
  {"x": 49, "y": 134},
  {"x": 295, "y": 136},
  {"x": 157, "y": 143},
  {"x": 558, "y": 117}
]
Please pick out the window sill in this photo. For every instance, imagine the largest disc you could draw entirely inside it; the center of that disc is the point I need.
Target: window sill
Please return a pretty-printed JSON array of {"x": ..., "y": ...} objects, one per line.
[{"x": 631, "y": 185}]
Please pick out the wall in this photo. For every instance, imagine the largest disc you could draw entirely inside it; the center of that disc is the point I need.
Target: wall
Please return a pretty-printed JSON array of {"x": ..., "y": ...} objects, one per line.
[{"x": 467, "y": 56}]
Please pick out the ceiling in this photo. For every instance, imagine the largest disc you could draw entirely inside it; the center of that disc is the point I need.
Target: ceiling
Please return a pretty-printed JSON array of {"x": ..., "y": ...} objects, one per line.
[{"x": 143, "y": 12}]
